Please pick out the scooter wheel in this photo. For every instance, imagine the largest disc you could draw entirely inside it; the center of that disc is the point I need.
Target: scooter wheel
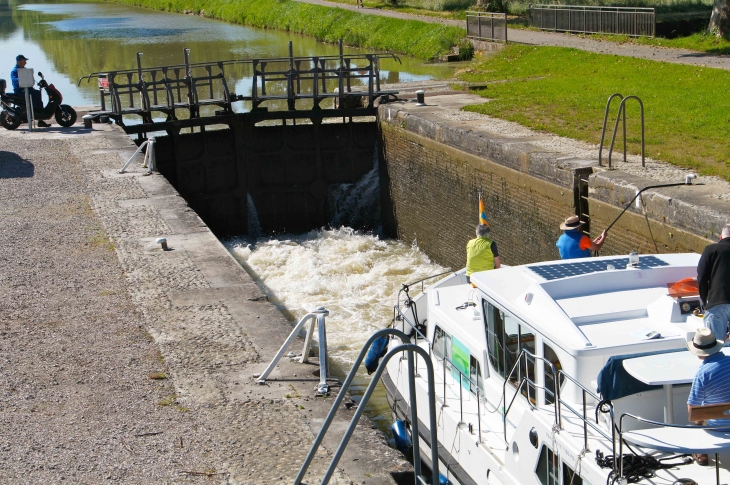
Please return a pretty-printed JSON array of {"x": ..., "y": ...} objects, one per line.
[
  {"x": 65, "y": 115},
  {"x": 8, "y": 121}
]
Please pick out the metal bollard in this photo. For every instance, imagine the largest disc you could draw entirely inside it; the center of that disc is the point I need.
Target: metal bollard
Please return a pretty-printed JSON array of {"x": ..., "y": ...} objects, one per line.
[
  {"x": 420, "y": 97},
  {"x": 88, "y": 120}
]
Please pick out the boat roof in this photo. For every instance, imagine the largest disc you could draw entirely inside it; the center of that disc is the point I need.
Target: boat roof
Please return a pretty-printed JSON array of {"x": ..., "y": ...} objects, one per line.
[{"x": 598, "y": 303}]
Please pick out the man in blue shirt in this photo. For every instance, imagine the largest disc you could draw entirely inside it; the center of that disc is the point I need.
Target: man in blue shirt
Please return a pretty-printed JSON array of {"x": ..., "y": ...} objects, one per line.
[
  {"x": 711, "y": 385},
  {"x": 20, "y": 62},
  {"x": 573, "y": 244}
]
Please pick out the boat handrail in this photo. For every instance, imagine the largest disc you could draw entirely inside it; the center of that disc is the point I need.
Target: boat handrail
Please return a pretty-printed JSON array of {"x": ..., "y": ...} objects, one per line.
[
  {"x": 556, "y": 396},
  {"x": 583, "y": 417},
  {"x": 664, "y": 425},
  {"x": 408, "y": 285}
]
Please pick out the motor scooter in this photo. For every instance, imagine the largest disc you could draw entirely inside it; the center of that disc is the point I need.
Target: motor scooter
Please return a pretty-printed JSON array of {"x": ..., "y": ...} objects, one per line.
[{"x": 14, "y": 112}]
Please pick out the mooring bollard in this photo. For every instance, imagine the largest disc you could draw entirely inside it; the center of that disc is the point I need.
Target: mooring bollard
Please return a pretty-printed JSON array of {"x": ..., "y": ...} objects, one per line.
[
  {"x": 88, "y": 120},
  {"x": 420, "y": 97}
]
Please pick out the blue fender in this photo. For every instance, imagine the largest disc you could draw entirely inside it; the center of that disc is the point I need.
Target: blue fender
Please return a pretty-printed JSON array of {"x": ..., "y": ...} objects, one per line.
[
  {"x": 402, "y": 438},
  {"x": 377, "y": 350}
]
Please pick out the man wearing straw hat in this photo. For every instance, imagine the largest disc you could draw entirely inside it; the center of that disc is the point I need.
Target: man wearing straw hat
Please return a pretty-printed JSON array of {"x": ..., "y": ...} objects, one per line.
[
  {"x": 573, "y": 244},
  {"x": 711, "y": 385}
]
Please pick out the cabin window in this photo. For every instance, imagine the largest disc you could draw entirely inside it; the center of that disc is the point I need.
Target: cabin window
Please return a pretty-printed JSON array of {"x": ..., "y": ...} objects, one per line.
[
  {"x": 570, "y": 477},
  {"x": 494, "y": 321},
  {"x": 442, "y": 345},
  {"x": 475, "y": 375},
  {"x": 551, "y": 357},
  {"x": 506, "y": 338},
  {"x": 547, "y": 467}
]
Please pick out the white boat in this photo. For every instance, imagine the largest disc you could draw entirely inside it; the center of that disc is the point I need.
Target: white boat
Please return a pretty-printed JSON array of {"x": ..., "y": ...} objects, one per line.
[{"x": 499, "y": 344}]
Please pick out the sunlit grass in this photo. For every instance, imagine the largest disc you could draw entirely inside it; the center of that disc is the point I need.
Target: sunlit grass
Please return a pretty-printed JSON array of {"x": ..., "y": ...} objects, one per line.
[{"x": 564, "y": 91}]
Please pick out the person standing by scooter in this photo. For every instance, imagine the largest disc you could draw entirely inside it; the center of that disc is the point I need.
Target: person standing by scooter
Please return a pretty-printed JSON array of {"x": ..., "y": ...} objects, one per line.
[{"x": 35, "y": 95}]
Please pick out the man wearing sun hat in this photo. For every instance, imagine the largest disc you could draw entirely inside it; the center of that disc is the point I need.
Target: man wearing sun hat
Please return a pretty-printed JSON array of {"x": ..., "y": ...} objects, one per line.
[
  {"x": 711, "y": 385},
  {"x": 573, "y": 244}
]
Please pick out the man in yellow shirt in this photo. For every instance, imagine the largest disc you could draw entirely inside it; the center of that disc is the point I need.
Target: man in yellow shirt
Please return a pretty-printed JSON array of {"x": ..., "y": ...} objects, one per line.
[{"x": 481, "y": 252}]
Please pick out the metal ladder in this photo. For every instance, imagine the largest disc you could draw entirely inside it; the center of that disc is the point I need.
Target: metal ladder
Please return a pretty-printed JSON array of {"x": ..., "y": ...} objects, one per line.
[
  {"x": 411, "y": 349},
  {"x": 621, "y": 111}
]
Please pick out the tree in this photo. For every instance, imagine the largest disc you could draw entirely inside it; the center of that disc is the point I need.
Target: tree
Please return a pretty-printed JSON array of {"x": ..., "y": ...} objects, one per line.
[{"x": 720, "y": 19}]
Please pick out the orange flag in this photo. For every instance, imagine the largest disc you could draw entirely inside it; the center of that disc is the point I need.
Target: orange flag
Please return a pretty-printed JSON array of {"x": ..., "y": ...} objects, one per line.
[{"x": 482, "y": 212}]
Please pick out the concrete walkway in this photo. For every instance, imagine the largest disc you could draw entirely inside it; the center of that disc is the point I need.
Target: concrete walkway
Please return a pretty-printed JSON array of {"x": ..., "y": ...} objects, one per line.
[
  {"x": 532, "y": 37},
  {"x": 121, "y": 362}
]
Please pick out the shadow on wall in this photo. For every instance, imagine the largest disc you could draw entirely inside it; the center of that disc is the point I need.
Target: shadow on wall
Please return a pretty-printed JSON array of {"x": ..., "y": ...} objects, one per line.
[{"x": 12, "y": 166}]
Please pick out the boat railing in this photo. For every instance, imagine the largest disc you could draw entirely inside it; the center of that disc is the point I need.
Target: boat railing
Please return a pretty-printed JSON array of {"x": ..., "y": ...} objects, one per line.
[
  {"x": 525, "y": 354},
  {"x": 583, "y": 417},
  {"x": 664, "y": 425},
  {"x": 398, "y": 315},
  {"x": 558, "y": 402}
]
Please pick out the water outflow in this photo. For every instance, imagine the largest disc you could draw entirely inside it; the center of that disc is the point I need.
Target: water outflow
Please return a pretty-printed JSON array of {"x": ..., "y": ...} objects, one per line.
[
  {"x": 355, "y": 275},
  {"x": 358, "y": 205},
  {"x": 254, "y": 225}
]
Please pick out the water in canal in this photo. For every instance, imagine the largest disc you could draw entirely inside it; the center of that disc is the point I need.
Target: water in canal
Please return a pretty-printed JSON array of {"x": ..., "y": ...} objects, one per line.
[{"x": 68, "y": 40}]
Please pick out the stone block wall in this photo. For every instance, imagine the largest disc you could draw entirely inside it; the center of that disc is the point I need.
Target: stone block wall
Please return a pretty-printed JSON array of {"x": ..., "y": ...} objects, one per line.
[{"x": 434, "y": 189}]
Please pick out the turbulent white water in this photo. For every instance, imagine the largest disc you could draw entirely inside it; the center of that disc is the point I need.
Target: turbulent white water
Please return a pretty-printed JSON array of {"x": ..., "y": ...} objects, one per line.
[{"x": 356, "y": 276}]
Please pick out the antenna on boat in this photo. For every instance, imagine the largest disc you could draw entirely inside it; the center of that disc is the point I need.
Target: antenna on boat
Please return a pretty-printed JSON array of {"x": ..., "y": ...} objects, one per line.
[{"x": 687, "y": 181}]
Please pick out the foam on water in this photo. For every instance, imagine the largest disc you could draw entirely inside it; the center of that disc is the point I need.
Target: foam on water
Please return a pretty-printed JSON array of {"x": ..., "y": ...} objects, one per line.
[{"x": 355, "y": 275}]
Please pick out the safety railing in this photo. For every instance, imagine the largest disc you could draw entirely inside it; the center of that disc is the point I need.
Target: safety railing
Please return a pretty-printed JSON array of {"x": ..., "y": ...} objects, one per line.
[
  {"x": 317, "y": 316},
  {"x": 632, "y": 21},
  {"x": 621, "y": 433},
  {"x": 190, "y": 86},
  {"x": 621, "y": 115},
  {"x": 410, "y": 350},
  {"x": 149, "y": 156},
  {"x": 486, "y": 26}
]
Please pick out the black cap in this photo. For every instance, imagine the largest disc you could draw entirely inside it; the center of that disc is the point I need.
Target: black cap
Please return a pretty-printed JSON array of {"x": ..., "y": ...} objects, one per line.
[{"x": 21, "y": 57}]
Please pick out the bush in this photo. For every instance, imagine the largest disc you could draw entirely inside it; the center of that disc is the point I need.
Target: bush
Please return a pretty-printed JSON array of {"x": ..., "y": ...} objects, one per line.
[{"x": 466, "y": 50}]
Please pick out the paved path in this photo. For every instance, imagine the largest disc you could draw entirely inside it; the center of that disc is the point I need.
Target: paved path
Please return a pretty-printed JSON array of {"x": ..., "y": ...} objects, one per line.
[
  {"x": 91, "y": 308},
  {"x": 678, "y": 56}
]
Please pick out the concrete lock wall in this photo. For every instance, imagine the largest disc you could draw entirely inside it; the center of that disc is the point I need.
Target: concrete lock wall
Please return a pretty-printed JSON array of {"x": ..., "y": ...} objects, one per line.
[
  {"x": 433, "y": 170},
  {"x": 288, "y": 170}
]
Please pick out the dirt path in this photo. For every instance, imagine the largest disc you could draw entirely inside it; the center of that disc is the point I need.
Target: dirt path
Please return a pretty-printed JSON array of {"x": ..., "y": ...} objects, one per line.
[{"x": 677, "y": 56}]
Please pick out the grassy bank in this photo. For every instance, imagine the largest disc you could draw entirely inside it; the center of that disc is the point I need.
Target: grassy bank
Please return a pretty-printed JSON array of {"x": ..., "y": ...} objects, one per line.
[
  {"x": 564, "y": 91},
  {"x": 410, "y": 37}
]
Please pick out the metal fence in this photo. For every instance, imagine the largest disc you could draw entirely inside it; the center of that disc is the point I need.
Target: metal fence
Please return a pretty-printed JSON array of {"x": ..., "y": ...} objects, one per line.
[
  {"x": 486, "y": 26},
  {"x": 633, "y": 21}
]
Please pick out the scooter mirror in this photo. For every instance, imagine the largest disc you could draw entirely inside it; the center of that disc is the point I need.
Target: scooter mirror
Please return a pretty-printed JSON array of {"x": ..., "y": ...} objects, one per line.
[{"x": 40, "y": 74}]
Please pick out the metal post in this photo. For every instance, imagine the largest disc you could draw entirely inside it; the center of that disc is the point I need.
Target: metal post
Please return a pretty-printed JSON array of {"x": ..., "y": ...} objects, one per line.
[
  {"x": 139, "y": 67},
  {"x": 603, "y": 131},
  {"x": 290, "y": 79},
  {"x": 585, "y": 423},
  {"x": 29, "y": 108},
  {"x": 322, "y": 387}
]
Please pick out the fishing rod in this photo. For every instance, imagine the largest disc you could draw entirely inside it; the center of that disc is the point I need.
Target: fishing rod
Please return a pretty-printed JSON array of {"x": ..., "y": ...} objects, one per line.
[{"x": 687, "y": 181}]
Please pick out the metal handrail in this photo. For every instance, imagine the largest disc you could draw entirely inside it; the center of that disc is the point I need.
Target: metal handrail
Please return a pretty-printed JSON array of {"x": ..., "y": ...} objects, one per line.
[
  {"x": 665, "y": 425},
  {"x": 587, "y": 19},
  {"x": 522, "y": 380},
  {"x": 410, "y": 348},
  {"x": 603, "y": 130},
  {"x": 622, "y": 110}
]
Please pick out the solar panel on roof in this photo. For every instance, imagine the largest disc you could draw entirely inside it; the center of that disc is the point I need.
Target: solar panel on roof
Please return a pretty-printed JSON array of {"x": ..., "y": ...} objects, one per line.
[{"x": 574, "y": 268}]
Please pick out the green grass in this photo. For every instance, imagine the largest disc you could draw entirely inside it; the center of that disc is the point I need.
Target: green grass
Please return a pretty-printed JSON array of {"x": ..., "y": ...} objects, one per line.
[
  {"x": 410, "y": 37},
  {"x": 564, "y": 91}
]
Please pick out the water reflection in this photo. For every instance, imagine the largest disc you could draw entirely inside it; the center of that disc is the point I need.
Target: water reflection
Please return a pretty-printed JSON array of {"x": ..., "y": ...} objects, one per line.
[{"x": 70, "y": 40}]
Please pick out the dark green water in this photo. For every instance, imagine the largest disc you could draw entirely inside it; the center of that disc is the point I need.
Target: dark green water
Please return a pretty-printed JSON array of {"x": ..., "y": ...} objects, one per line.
[{"x": 69, "y": 40}]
